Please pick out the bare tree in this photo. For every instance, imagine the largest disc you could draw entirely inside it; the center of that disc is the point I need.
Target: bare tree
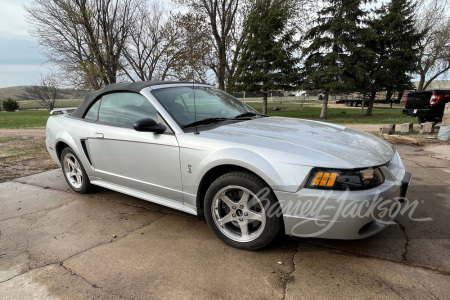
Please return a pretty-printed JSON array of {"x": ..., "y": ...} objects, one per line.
[
  {"x": 191, "y": 62},
  {"x": 46, "y": 92},
  {"x": 85, "y": 38},
  {"x": 145, "y": 43},
  {"x": 435, "y": 46},
  {"x": 157, "y": 47},
  {"x": 226, "y": 23},
  {"x": 164, "y": 46}
]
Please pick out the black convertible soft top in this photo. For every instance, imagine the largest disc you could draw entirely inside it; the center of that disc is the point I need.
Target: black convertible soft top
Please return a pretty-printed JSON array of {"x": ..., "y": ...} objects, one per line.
[{"x": 135, "y": 87}]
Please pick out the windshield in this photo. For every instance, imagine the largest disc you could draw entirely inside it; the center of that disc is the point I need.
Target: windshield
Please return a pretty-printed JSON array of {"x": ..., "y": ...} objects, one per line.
[{"x": 209, "y": 103}]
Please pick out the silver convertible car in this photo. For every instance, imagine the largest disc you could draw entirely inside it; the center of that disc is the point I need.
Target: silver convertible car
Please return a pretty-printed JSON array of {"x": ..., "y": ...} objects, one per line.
[{"x": 195, "y": 148}]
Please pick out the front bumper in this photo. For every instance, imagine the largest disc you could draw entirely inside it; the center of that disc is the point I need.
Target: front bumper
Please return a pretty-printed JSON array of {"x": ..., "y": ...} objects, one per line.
[{"x": 345, "y": 214}]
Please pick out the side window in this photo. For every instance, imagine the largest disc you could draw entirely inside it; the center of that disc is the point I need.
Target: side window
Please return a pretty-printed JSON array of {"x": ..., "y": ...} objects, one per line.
[
  {"x": 124, "y": 109},
  {"x": 92, "y": 113}
]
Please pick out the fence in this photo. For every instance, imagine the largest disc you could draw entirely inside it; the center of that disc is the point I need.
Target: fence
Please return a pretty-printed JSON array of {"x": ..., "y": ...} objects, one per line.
[
  {"x": 282, "y": 99},
  {"x": 60, "y": 103}
]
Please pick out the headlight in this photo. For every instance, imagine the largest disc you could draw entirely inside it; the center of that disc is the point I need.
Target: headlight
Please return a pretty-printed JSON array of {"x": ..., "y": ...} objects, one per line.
[{"x": 345, "y": 179}]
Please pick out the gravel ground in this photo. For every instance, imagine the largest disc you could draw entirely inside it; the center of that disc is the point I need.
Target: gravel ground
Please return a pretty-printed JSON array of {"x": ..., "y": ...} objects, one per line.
[{"x": 22, "y": 153}]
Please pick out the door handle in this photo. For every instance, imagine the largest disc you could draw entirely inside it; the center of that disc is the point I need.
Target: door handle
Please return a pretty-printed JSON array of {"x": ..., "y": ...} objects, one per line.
[{"x": 98, "y": 135}]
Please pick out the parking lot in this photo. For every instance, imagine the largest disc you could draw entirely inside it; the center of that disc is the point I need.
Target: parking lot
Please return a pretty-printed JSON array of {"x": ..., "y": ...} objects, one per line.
[{"x": 57, "y": 244}]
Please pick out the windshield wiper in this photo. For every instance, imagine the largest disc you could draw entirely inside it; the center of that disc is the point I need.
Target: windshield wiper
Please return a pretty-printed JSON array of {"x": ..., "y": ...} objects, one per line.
[
  {"x": 249, "y": 114},
  {"x": 204, "y": 122}
]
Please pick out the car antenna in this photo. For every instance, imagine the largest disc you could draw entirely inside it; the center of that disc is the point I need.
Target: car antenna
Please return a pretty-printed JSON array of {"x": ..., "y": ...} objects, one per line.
[
  {"x": 195, "y": 109},
  {"x": 195, "y": 106}
]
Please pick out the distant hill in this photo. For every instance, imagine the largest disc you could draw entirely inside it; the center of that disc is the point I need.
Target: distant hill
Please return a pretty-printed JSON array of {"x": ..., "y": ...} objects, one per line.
[{"x": 19, "y": 93}]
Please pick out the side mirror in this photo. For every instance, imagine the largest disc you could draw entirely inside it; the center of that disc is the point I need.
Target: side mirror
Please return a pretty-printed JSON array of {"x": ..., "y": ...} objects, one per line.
[{"x": 149, "y": 125}]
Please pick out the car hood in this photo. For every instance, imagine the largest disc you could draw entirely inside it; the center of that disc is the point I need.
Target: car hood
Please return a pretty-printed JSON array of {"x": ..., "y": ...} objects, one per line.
[{"x": 307, "y": 142}]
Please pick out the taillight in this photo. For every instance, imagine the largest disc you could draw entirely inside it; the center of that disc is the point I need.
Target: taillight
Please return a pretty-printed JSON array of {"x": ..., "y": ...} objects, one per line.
[
  {"x": 435, "y": 99},
  {"x": 406, "y": 100}
]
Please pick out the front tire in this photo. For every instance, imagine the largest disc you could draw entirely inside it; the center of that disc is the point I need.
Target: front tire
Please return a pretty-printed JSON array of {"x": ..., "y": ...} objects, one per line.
[
  {"x": 242, "y": 211},
  {"x": 74, "y": 172}
]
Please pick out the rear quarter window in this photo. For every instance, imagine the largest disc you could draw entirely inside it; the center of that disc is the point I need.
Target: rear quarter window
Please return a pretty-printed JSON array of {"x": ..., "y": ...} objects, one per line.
[{"x": 92, "y": 113}]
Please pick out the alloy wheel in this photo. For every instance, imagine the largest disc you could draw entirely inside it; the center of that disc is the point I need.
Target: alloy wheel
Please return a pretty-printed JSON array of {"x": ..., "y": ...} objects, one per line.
[
  {"x": 238, "y": 213},
  {"x": 73, "y": 171}
]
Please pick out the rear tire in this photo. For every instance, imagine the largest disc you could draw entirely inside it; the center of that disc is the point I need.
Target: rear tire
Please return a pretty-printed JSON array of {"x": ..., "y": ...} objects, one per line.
[
  {"x": 421, "y": 119},
  {"x": 242, "y": 211},
  {"x": 437, "y": 120},
  {"x": 74, "y": 172}
]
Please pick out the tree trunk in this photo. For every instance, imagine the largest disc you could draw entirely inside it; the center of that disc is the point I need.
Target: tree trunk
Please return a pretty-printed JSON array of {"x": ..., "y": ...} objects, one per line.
[
  {"x": 421, "y": 82},
  {"x": 371, "y": 101},
  {"x": 388, "y": 97},
  {"x": 264, "y": 109},
  {"x": 52, "y": 104},
  {"x": 323, "y": 112},
  {"x": 222, "y": 66}
]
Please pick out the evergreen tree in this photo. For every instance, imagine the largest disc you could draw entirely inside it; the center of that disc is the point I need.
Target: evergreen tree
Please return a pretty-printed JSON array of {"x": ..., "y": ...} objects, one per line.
[
  {"x": 268, "y": 61},
  {"x": 333, "y": 59},
  {"x": 10, "y": 105},
  {"x": 395, "y": 55}
]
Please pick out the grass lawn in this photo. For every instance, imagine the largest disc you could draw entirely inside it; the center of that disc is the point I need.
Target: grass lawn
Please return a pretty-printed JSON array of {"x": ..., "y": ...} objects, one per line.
[
  {"x": 32, "y": 118},
  {"x": 24, "y": 119},
  {"x": 342, "y": 115}
]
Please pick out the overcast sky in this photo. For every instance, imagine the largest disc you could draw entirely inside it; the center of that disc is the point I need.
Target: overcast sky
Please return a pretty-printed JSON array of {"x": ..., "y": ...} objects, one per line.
[{"x": 21, "y": 61}]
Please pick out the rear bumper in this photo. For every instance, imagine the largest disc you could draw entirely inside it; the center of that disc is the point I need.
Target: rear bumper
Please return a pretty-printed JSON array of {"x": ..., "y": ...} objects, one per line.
[
  {"x": 345, "y": 215},
  {"x": 428, "y": 112},
  {"x": 51, "y": 150}
]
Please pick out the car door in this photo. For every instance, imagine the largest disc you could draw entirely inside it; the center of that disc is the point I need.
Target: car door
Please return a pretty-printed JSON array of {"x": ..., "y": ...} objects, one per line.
[{"x": 143, "y": 161}]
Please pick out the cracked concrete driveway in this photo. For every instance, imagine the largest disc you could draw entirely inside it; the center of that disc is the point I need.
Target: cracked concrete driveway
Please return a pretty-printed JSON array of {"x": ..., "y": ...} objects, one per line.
[{"x": 57, "y": 244}]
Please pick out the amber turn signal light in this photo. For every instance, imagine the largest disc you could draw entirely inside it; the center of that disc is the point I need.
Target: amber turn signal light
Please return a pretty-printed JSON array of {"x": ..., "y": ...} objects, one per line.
[{"x": 326, "y": 179}]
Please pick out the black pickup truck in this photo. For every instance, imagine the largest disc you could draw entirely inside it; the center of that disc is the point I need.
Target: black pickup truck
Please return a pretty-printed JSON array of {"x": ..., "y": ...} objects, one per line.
[{"x": 427, "y": 106}]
